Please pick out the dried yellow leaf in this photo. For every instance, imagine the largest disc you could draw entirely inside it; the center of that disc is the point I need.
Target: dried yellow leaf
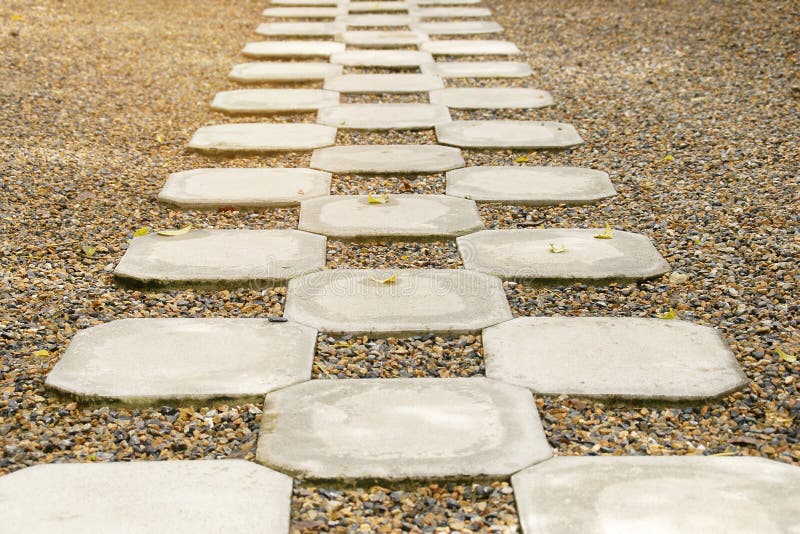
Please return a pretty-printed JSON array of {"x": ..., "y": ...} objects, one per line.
[
  {"x": 16, "y": 17},
  {"x": 42, "y": 353},
  {"x": 785, "y": 356},
  {"x": 390, "y": 280},
  {"x": 378, "y": 199},
  {"x": 180, "y": 231},
  {"x": 608, "y": 233},
  {"x": 521, "y": 159},
  {"x": 140, "y": 232},
  {"x": 88, "y": 250},
  {"x": 668, "y": 158},
  {"x": 555, "y": 250},
  {"x": 668, "y": 315}
]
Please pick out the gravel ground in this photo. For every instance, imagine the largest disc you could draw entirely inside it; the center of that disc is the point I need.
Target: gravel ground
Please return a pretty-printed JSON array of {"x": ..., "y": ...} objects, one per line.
[{"x": 691, "y": 106}]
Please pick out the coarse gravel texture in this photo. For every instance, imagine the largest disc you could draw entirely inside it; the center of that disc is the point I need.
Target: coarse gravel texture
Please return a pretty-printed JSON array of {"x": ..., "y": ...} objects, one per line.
[{"x": 691, "y": 106}]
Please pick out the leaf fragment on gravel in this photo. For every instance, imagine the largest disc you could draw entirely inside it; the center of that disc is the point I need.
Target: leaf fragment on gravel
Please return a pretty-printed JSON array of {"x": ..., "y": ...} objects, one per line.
[
  {"x": 42, "y": 353},
  {"x": 180, "y": 231},
  {"x": 785, "y": 356},
  {"x": 390, "y": 280},
  {"x": 556, "y": 250},
  {"x": 521, "y": 159},
  {"x": 140, "y": 232},
  {"x": 668, "y": 315},
  {"x": 88, "y": 250},
  {"x": 378, "y": 199},
  {"x": 608, "y": 233}
]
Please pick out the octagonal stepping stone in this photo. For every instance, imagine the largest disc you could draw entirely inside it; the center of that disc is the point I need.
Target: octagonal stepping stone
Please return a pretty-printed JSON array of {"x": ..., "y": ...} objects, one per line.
[
  {"x": 260, "y": 101},
  {"x": 369, "y": 7},
  {"x": 508, "y": 134},
  {"x": 528, "y": 255},
  {"x": 304, "y": 12},
  {"x": 457, "y": 27},
  {"x": 179, "y": 360},
  {"x": 606, "y": 357},
  {"x": 530, "y": 186},
  {"x": 668, "y": 495},
  {"x": 384, "y": 83},
  {"x": 376, "y": 21},
  {"x": 301, "y": 29},
  {"x": 446, "y": 12},
  {"x": 477, "y": 69},
  {"x": 387, "y": 159},
  {"x": 179, "y": 497},
  {"x": 265, "y": 71},
  {"x": 384, "y": 116},
  {"x": 383, "y": 39},
  {"x": 220, "y": 258},
  {"x": 382, "y": 58},
  {"x": 491, "y": 98},
  {"x": 470, "y": 48},
  {"x": 284, "y": 49},
  {"x": 403, "y": 428},
  {"x": 261, "y": 137},
  {"x": 401, "y": 216},
  {"x": 243, "y": 188},
  {"x": 416, "y": 301}
]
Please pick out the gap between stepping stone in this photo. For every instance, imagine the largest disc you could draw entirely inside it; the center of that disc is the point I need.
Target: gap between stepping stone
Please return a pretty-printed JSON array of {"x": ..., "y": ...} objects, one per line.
[
  {"x": 490, "y": 98},
  {"x": 382, "y": 39},
  {"x": 401, "y": 216},
  {"x": 526, "y": 135},
  {"x": 289, "y": 49},
  {"x": 395, "y": 59},
  {"x": 265, "y": 71},
  {"x": 470, "y": 48},
  {"x": 384, "y": 83},
  {"x": 478, "y": 69},
  {"x": 261, "y": 137},
  {"x": 264, "y": 101},
  {"x": 617, "y": 358},
  {"x": 401, "y": 429},
  {"x": 301, "y": 29},
  {"x": 457, "y": 27},
  {"x": 384, "y": 116},
  {"x": 151, "y": 361},
  {"x": 243, "y": 188},
  {"x": 387, "y": 159}
]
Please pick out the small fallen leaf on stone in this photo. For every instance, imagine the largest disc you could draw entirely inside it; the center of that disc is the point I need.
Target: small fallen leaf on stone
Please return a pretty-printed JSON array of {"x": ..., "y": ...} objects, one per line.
[
  {"x": 140, "y": 232},
  {"x": 390, "y": 280},
  {"x": 88, "y": 250},
  {"x": 42, "y": 353},
  {"x": 16, "y": 17},
  {"x": 160, "y": 138},
  {"x": 378, "y": 199},
  {"x": 521, "y": 159},
  {"x": 668, "y": 315},
  {"x": 555, "y": 250},
  {"x": 608, "y": 233},
  {"x": 668, "y": 158},
  {"x": 785, "y": 356},
  {"x": 180, "y": 231}
]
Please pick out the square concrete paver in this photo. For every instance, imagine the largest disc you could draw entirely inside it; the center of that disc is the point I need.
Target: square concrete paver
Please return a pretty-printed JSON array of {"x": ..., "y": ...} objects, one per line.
[
  {"x": 470, "y": 47},
  {"x": 457, "y": 27},
  {"x": 301, "y": 29},
  {"x": 530, "y": 186},
  {"x": 179, "y": 497},
  {"x": 478, "y": 69},
  {"x": 508, "y": 134},
  {"x": 387, "y": 159},
  {"x": 304, "y": 12},
  {"x": 144, "y": 361},
  {"x": 383, "y": 39},
  {"x": 612, "y": 357},
  {"x": 416, "y": 301},
  {"x": 243, "y": 188},
  {"x": 448, "y": 12},
  {"x": 401, "y": 428},
  {"x": 263, "y": 101},
  {"x": 220, "y": 258},
  {"x": 376, "y": 20},
  {"x": 265, "y": 71},
  {"x": 399, "y": 59},
  {"x": 287, "y": 49},
  {"x": 384, "y": 116},
  {"x": 529, "y": 255},
  {"x": 401, "y": 216},
  {"x": 384, "y": 83},
  {"x": 491, "y": 98},
  {"x": 261, "y": 137},
  {"x": 667, "y": 495}
]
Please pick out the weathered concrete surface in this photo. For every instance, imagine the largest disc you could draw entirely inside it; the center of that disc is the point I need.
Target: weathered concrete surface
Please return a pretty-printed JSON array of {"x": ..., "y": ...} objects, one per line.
[
  {"x": 402, "y": 216},
  {"x": 403, "y": 428},
  {"x": 527, "y": 255},
  {"x": 447, "y": 12},
  {"x": 491, "y": 98},
  {"x": 304, "y": 12},
  {"x": 387, "y": 159},
  {"x": 508, "y": 134},
  {"x": 223, "y": 258},
  {"x": 383, "y": 39},
  {"x": 377, "y": 21},
  {"x": 457, "y": 27},
  {"x": 179, "y": 497},
  {"x": 365, "y": 7},
  {"x": 253, "y": 101},
  {"x": 183, "y": 360},
  {"x": 301, "y": 29},
  {"x": 261, "y": 137},
  {"x": 446, "y": 2},
  {"x": 279, "y": 71},
  {"x": 607, "y": 357},
  {"x": 384, "y": 83},
  {"x": 243, "y": 188},
  {"x": 470, "y": 47},
  {"x": 530, "y": 186},
  {"x": 477, "y": 69},
  {"x": 418, "y": 301},
  {"x": 306, "y": 2},
  {"x": 283, "y": 49},
  {"x": 411, "y": 116},
  {"x": 666, "y": 495},
  {"x": 400, "y": 59}
]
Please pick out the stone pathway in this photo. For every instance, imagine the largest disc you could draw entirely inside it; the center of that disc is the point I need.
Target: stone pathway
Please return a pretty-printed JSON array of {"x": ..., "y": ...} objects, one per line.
[
  {"x": 387, "y": 159},
  {"x": 490, "y": 98},
  {"x": 383, "y": 39},
  {"x": 262, "y": 71},
  {"x": 526, "y": 135},
  {"x": 384, "y": 116},
  {"x": 261, "y": 137},
  {"x": 477, "y": 69},
  {"x": 470, "y": 48},
  {"x": 263, "y": 101},
  {"x": 397, "y": 59},
  {"x": 291, "y": 49},
  {"x": 384, "y": 83}
]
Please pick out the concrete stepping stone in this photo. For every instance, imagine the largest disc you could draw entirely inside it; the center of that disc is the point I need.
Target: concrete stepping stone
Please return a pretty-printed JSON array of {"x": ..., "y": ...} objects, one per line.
[
  {"x": 407, "y": 59},
  {"x": 287, "y": 49},
  {"x": 301, "y": 29},
  {"x": 354, "y": 217},
  {"x": 180, "y": 360},
  {"x": 307, "y": 2},
  {"x": 376, "y": 21},
  {"x": 403, "y": 428},
  {"x": 470, "y": 48},
  {"x": 607, "y": 357},
  {"x": 384, "y": 83},
  {"x": 477, "y": 69},
  {"x": 220, "y": 258},
  {"x": 457, "y": 27},
  {"x": 259, "y": 101},
  {"x": 387, "y": 159},
  {"x": 243, "y": 188},
  {"x": 261, "y": 137},
  {"x": 179, "y": 497},
  {"x": 374, "y": 7},
  {"x": 383, "y": 39},
  {"x": 416, "y": 301},
  {"x": 528, "y": 255},
  {"x": 491, "y": 98},
  {"x": 444, "y": 2},
  {"x": 265, "y": 71},
  {"x": 508, "y": 134},
  {"x": 384, "y": 116},
  {"x": 304, "y": 12},
  {"x": 530, "y": 186},
  {"x": 664, "y": 494},
  {"x": 446, "y": 12}
]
